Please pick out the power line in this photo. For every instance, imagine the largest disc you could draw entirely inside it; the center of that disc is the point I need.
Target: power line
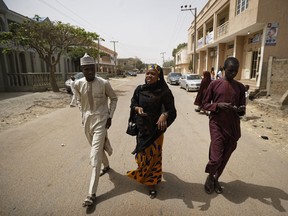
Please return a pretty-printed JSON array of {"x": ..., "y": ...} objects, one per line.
[
  {"x": 178, "y": 27},
  {"x": 42, "y": 1},
  {"x": 75, "y": 14}
]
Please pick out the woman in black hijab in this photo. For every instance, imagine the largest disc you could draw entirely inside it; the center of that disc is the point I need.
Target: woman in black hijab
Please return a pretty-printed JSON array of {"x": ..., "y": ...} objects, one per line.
[
  {"x": 202, "y": 90},
  {"x": 153, "y": 106}
]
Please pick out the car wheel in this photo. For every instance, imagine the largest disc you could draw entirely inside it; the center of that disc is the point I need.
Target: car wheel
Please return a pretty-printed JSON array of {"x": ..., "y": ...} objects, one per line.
[
  {"x": 187, "y": 89},
  {"x": 69, "y": 91}
]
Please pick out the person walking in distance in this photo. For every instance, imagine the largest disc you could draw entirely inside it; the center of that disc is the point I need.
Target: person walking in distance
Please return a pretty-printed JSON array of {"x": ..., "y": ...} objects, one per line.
[
  {"x": 219, "y": 73},
  {"x": 73, "y": 102},
  {"x": 212, "y": 73},
  {"x": 247, "y": 87},
  {"x": 202, "y": 90},
  {"x": 92, "y": 95},
  {"x": 225, "y": 99}
]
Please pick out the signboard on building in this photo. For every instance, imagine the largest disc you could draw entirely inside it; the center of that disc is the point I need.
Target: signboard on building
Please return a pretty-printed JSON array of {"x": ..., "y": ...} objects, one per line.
[
  {"x": 200, "y": 43},
  {"x": 209, "y": 37},
  {"x": 271, "y": 34}
]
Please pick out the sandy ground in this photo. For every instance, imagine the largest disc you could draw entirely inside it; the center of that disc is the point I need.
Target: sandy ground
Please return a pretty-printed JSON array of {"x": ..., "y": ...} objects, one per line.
[
  {"x": 267, "y": 122},
  {"x": 18, "y": 108}
]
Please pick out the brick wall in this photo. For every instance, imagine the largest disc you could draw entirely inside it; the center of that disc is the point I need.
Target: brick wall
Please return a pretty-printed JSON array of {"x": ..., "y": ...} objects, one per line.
[{"x": 279, "y": 78}]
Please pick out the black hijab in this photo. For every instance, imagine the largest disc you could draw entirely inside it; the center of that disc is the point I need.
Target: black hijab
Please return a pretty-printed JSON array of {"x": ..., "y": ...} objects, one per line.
[
  {"x": 159, "y": 88},
  {"x": 160, "y": 84}
]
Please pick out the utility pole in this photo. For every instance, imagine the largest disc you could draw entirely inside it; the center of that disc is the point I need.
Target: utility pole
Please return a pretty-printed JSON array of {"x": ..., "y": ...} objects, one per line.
[
  {"x": 186, "y": 8},
  {"x": 98, "y": 56},
  {"x": 162, "y": 53},
  {"x": 115, "y": 59}
]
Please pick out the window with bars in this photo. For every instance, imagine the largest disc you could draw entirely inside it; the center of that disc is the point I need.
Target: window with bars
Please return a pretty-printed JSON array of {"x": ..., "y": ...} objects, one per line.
[{"x": 241, "y": 6}]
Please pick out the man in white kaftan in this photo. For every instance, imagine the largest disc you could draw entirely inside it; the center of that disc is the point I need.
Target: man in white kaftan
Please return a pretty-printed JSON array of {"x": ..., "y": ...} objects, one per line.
[{"x": 93, "y": 95}]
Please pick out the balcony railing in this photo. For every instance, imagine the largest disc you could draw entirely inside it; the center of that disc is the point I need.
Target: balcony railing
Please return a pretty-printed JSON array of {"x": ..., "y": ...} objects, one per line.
[
  {"x": 222, "y": 30},
  {"x": 200, "y": 43},
  {"x": 39, "y": 81},
  {"x": 31, "y": 81},
  {"x": 209, "y": 37}
]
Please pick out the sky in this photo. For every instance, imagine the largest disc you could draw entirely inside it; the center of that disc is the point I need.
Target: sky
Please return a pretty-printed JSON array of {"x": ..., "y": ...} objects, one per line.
[{"x": 144, "y": 29}]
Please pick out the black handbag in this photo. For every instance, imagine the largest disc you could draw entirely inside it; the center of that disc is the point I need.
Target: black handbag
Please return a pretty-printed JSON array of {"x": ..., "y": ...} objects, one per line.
[{"x": 132, "y": 129}]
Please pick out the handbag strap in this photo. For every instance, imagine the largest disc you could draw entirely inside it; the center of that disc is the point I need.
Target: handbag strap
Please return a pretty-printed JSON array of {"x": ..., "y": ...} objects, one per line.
[{"x": 132, "y": 110}]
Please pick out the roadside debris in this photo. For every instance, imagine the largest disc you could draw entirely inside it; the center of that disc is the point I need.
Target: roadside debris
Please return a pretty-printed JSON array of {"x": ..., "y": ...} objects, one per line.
[{"x": 264, "y": 137}]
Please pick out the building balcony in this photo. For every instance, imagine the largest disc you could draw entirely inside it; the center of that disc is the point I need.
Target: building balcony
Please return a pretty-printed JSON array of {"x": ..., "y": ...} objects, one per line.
[
  {"x": 222, "y": 30},
  {"x": 200, "y": 43},
  {"x": 209, "y": 37}
]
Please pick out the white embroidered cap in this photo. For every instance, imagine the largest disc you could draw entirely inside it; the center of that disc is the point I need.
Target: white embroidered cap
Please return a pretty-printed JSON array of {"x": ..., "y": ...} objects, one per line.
[{"x": 86, "y": 60}]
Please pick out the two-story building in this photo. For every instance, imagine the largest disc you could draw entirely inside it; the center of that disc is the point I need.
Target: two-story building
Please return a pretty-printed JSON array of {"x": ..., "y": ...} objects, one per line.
[
  {"x": 182, "y": 61},
  {"x": 24, "y": 70},
  {"x": 250, "y": 30}
]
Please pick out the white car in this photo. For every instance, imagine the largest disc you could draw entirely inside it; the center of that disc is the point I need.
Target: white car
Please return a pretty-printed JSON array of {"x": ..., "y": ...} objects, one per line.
[
  {"x": 190, "y": 82},
  {"x": 78, "y": 75}
]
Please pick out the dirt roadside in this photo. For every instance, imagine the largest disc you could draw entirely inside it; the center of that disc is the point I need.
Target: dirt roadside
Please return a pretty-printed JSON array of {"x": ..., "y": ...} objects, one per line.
[
  {"x": 18, "y": 108},
  {"x": 267, "y": 122}
]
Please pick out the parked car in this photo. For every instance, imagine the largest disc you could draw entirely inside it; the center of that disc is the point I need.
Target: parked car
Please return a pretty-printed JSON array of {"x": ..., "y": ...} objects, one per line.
[
  {"x": 132, "y": 73},
  {"x": 78, "y": 75},
  {"x": 173, "y": 78},
  {"x": 190, "y": 82}
]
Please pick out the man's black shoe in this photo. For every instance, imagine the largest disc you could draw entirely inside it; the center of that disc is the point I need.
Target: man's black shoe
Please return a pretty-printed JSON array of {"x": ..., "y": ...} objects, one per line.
[
  {"x": 209, "y": 184},
  {"x": 218, "y": 189}
]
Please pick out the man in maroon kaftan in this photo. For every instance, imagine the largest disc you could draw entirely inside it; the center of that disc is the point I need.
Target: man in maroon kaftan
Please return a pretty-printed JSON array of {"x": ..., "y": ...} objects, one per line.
[{"x": 225, "y": 99}]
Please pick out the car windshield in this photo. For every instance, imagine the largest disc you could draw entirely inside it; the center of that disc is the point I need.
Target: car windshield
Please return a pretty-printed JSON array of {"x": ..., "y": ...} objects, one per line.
[
  {"x": 193, "y": 77},
  {"x": 175, "y": 74},
  {"x": 79, "y": 75}
]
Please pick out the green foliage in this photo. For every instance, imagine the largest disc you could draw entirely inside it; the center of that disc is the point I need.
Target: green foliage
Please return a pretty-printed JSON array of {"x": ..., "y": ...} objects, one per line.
[
  {"x": 49, "y": 39},
  {"x": 170, "y": 63},
  {"x": 139, "y": 64},
  {"x": 180, "y": 46},
  {"x": 75, "y": 53}
]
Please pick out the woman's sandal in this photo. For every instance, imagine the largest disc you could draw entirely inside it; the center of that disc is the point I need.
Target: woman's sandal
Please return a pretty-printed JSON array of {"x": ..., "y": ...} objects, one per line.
[
  {"x": 152, "y": 194},
  {"x": 89, "y": 200}
]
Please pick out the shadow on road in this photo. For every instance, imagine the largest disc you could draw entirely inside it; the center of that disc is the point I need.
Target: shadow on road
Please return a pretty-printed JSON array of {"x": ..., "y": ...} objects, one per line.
[
  {"x": 173, "y": 187},
  {"x": 238, "y": 191},
  {"x": 122, "y": 185}
]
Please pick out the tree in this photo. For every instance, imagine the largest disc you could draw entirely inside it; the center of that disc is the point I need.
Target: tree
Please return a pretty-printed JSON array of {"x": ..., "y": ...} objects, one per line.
[
  {"x": 170, "y": 63},
  {"x": 49, "y": 39},
  {"x": 139, "y": 64},
  {"x": 180, "y": 46},
  {"x": 75, "y": 53}
]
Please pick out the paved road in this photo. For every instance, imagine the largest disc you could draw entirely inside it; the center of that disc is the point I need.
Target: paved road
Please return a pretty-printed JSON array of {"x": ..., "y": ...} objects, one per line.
[{"x": 39, "y": 176}]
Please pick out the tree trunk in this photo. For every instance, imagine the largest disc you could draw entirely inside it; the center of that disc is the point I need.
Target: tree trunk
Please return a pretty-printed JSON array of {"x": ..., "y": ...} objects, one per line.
[{"x": 53, "y": 81}]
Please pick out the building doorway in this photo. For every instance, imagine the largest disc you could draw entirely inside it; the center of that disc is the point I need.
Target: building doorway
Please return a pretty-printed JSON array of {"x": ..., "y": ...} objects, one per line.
[{"x": 255, "y": 64}]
